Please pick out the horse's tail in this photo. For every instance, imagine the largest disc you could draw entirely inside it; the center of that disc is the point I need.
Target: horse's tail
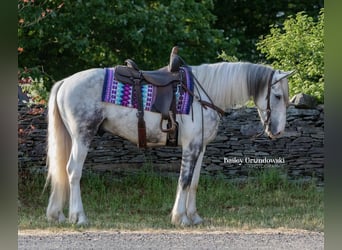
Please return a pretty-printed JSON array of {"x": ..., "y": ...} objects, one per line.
[{"x": 58, "y": 152}]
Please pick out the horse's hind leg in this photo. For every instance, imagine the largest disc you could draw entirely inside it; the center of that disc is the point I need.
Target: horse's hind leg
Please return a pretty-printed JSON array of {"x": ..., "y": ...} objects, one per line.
[{"x": 78, "y": 154}]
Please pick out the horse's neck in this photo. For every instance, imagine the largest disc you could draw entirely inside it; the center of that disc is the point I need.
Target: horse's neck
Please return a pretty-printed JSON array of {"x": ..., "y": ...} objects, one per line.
[{"x": 225, "y": 84}]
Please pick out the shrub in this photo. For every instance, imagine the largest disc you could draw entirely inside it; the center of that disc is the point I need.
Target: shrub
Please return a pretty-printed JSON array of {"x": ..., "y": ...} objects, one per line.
[
  {"x": 32, "y": 81},
  {"x": 226, "y": 57},
  {"x": 298, "y": 45}
]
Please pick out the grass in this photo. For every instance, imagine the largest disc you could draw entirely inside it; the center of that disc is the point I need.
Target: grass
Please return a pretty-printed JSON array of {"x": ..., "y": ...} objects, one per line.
[{"x": 145, "y": 200}]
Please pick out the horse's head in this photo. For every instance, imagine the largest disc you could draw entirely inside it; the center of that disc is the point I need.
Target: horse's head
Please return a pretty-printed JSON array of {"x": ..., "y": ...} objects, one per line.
[{"x": 272, "y": 104}]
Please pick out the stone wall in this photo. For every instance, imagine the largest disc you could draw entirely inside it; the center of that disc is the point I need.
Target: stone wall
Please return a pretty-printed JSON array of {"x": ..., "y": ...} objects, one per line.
[{"x": 234, "y": 151}]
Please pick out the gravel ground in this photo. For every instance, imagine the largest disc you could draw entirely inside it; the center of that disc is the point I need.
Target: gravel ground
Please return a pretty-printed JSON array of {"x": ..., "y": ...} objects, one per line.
[{"x": 256, "y": 239}]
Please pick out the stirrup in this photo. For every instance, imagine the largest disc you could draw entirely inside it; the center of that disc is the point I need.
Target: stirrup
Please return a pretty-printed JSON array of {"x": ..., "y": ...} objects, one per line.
[{"x": 173, "y": 124}]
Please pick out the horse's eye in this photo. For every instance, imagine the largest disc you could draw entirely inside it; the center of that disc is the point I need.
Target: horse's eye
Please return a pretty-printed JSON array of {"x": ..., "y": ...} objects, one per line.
[{"x": 278, "y": 97}]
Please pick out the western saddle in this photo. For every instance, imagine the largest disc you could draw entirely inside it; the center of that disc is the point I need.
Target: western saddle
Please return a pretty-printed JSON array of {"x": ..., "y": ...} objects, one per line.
[{"x": 168, "y": 82}]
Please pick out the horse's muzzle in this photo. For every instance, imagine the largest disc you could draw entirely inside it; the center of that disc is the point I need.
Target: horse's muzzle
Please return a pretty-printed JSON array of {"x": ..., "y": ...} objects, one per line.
[{"x": 273, "y": 136}]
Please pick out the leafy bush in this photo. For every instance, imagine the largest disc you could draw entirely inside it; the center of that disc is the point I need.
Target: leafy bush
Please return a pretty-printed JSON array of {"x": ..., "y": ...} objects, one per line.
[
  {"x": 32, "y": 81},
  {"x": 228, "y": 58},
  {"x": 298, "y": 45},
  {"x": 244, "y": 22}
]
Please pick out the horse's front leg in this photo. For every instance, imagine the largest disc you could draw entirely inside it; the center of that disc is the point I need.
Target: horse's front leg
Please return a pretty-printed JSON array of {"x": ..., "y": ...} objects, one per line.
[
  {"x": 189, "y": 159},
  {"x": 191, "y": 202}
]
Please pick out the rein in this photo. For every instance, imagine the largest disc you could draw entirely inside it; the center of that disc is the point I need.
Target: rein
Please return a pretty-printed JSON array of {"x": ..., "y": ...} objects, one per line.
[
  {"x": 204, "y": 104},
  {"x": 268, "y": 98}
]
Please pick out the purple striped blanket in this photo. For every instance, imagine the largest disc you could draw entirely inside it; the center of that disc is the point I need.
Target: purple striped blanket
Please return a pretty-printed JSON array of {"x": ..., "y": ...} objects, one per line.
[{"x": 122, "y": 94}]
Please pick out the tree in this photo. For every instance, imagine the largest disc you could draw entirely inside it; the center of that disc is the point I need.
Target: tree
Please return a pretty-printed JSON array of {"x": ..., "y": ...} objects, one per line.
[
  {"x": 63, "y": 37},
  {"x": 298, "y": 45},
  {"x": 245, "y": 21}
]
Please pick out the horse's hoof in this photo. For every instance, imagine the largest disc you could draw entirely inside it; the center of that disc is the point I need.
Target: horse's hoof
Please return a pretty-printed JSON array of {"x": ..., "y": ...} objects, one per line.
[
  {"x": 61, "y": 218},
  {"x": 181, "y": 220},
  {"x": 78, "y": 218},
  {"x": 196, "y": 219},
  {"x": 82, "y": 221},
  {"x": 56, "y": 217}
]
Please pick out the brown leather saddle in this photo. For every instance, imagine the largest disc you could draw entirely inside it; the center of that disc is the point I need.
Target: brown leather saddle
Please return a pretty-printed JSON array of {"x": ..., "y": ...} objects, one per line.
[{"x": 168, "y": 81}]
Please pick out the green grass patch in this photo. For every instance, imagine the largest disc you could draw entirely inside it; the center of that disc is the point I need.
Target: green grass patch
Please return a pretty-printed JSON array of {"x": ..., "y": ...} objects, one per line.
[{"x": 144, "y": 201}]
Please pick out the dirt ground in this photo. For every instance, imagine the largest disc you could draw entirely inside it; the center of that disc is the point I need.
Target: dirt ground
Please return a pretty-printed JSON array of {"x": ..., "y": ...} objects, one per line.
[{"x": 167, "y": 239}]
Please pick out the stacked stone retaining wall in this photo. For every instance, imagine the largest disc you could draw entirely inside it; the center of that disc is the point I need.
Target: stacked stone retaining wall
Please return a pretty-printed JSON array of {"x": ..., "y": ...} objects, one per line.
[{"x": 233, "y": 153}]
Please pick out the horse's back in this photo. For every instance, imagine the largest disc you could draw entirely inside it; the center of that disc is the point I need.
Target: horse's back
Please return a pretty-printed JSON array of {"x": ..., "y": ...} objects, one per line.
[
  {"x": 82, "y": 86},
  {"x": 86, "y": 79}
]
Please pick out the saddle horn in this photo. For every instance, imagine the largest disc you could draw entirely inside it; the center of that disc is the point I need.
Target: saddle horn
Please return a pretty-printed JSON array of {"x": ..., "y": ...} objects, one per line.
[
  {"x": 175, "y": 60},
  {"x": 130, "y": 63}
]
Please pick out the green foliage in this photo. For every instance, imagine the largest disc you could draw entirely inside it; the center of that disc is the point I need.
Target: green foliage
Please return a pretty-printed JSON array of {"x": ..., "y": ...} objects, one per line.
[
  {"x": 32, "y": 82},
  {"x": 228, "y": 58},
  {"x": 244, "y": 22},
  {"x": 65, "y": 37},
  {"x": 69, "y": 36},
  {"x": 298, "y": 45}
]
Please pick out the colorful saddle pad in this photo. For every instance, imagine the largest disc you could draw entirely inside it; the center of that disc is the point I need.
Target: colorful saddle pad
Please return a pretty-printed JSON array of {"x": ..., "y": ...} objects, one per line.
[{"x": 122, "y": 94}]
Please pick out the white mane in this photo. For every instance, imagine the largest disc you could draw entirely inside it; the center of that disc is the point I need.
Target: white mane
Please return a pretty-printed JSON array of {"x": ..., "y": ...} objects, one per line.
[{"x": 232, "y": 84}]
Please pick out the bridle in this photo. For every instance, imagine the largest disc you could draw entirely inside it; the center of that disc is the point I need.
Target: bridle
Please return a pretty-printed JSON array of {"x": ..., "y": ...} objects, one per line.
[{"x": 267, "y": 122}]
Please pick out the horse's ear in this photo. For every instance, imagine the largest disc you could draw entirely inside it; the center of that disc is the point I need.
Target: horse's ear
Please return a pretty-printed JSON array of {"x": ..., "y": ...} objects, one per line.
[
  {"x": 282, "y": 74},
  {"x": 289, "y": 73}
]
